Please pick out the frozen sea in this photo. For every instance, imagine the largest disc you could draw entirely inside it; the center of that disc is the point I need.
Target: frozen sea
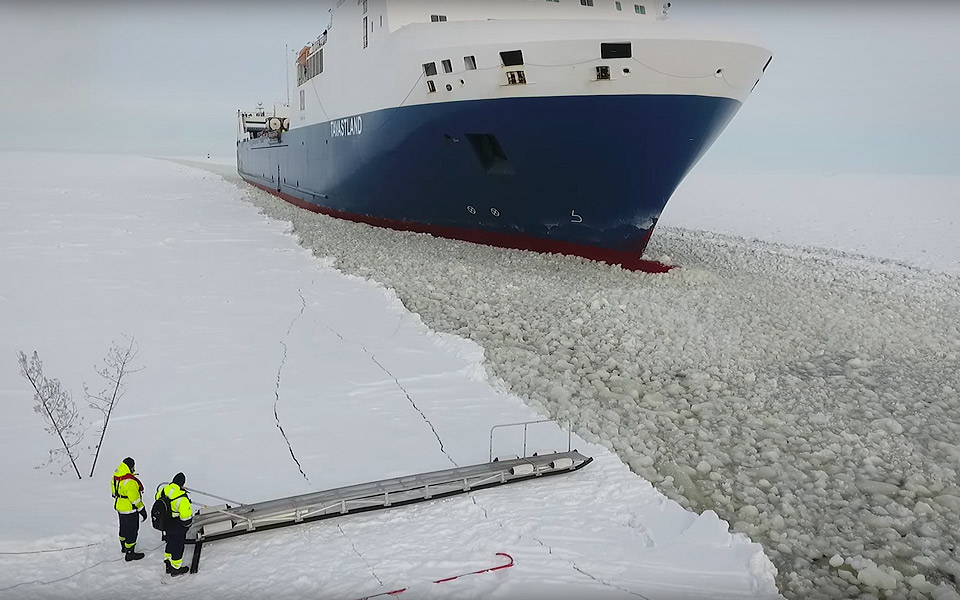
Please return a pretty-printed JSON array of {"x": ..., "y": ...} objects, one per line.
[
  {"x": 795, "y": 376},
  {"x": 264, "y": 372}
]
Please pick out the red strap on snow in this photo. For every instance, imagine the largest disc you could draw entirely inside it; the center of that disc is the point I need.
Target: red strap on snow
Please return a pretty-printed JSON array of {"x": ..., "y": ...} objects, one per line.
[
  {"x": 506, "y": 566},
  {"x": 381, "y": 594},
  {"x": 446, "y": 579}
]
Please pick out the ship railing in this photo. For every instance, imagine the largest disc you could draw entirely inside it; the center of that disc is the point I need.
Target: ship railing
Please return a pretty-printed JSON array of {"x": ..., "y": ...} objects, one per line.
[{"x": 319, "y": 43}]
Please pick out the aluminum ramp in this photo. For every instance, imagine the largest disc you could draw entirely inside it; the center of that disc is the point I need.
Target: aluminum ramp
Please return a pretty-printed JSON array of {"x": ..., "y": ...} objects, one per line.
[{"x": 219, "y": 522}]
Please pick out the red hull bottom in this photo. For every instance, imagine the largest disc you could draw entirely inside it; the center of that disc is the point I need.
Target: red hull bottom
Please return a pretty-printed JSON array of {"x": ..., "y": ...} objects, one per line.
[{"x": 626, "y": 260}]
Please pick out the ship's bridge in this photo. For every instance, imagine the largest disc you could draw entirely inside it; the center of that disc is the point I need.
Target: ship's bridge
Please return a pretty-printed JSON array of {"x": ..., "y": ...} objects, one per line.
[
  {"x": 404, "y": 12},
  {"x": 376, "y": 55}
]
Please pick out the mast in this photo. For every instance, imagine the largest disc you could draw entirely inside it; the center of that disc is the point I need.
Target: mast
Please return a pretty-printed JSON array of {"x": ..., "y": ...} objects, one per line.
[{"x": 286, "y": 64}]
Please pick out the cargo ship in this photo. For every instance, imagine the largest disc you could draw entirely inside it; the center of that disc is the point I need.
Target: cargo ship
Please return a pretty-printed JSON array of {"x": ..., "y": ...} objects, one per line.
[{"x": 546, "y": 125}]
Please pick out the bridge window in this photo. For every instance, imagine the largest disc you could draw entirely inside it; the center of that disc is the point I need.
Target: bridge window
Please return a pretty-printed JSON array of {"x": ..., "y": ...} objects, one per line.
[
  {"x": 308, "y": 68},
  {"x": 430, "y": 69},
  {"x": 640, "y": 9},
  {"x": 303, "y": 103},
  {"x": 619, "y": 7},
  {"x": 431, "y": 86},
  {"x": 621, "y": 50},
  {"x": 512, "y": 58},
  {"x": 470, "y": 63},
  {"x": 447, "y": 65},
  {"x": 438, "y": 18},
  {"x": 586, "y": 2},
  {"x": 603, "y": 73}
]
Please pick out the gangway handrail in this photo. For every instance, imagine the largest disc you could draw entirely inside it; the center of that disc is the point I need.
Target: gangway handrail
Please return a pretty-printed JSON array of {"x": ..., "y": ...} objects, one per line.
[
  {"x": 193, "y": 490},
  {"x": 525, "y": 424},
  {"x": 219, "y": 522}
]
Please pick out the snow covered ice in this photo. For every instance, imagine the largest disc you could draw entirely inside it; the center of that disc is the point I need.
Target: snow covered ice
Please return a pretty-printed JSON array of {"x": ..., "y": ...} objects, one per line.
[
  {"x": 242, "y": 332},
  {"x": 805, "y": 395}
]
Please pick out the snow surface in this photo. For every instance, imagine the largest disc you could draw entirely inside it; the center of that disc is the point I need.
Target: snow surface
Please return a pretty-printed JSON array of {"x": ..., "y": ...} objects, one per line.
[
  {"x": 807, "y": 395},
  {"x": 908, "y": 218},
  {"x": 242, "y": 332}
]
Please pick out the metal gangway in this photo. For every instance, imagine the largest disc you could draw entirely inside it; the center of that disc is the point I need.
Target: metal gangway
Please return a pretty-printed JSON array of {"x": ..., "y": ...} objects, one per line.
[{"x": 218, "y": 522}]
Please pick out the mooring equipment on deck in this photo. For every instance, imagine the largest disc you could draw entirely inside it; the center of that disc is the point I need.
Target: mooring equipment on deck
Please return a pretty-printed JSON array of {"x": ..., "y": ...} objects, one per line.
[{"x": 218, "y": 522}]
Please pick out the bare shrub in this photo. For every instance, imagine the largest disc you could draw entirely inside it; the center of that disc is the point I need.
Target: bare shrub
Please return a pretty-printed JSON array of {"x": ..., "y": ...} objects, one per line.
[
  {"x": 116, "y": 367},
  {"x": 58, "y": 409}
]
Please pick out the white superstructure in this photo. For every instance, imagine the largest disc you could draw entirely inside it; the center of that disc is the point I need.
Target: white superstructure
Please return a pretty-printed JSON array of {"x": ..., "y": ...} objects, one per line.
[{"x": 379, "y": 54}]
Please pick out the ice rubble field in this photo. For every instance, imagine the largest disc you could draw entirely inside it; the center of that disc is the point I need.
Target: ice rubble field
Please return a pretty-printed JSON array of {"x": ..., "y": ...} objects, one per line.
[{"x": 808, "y": 396}]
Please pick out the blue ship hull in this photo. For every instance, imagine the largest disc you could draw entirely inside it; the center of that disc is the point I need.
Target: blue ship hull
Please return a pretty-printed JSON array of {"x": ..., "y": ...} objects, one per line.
[{"x": 583, "y": 175}]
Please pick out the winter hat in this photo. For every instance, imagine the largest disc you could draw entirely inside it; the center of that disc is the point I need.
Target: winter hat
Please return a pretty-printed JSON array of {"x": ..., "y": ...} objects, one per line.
[
  {"x": 129, "y": 462},
  {"x": 179, "y": 479}
]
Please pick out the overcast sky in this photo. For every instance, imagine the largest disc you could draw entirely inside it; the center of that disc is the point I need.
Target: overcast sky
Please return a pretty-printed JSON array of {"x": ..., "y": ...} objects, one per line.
[{"x": 854, "y": 86}]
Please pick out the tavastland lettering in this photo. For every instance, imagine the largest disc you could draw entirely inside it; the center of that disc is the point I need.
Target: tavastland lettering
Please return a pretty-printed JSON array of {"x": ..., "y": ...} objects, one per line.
[{"x": 346, "y": 126}]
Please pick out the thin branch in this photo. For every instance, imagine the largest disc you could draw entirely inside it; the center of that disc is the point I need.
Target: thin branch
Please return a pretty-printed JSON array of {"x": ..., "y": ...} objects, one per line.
[
  {"x": 47, "y": 392},
  {"x": 116, "y": 367}
]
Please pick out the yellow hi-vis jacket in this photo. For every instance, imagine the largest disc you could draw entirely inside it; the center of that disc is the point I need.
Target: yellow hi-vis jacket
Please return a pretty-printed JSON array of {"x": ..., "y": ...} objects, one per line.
[
  {"x": 126, "y": 488},
  {"x": 180, "y": 508}
]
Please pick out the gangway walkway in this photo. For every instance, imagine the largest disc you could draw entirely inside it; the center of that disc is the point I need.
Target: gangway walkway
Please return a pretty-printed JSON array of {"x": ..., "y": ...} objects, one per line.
[{"x": 224, "y": 521}]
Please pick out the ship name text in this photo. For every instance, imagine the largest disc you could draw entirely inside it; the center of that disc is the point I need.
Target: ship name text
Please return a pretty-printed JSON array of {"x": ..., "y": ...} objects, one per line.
[{"x": 346, "y": 126}]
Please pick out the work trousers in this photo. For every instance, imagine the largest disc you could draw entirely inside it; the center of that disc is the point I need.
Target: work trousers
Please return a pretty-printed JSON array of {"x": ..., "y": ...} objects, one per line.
[
  {"x": 129, "y": 527},
  {"x": 176, "y": 540}
]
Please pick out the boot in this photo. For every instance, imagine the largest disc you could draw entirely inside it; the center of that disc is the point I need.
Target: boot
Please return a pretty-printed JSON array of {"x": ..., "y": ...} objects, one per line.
[
  {"x": 181, "y": 571},
  {"x": 132, "y": 555},
  {"x": 167, "y": 566}
]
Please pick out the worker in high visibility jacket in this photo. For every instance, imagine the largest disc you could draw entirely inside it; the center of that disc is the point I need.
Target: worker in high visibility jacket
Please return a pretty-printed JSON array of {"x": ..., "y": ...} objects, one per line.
[
  {"x": 176, "y": 524},
  {"x": 126, "y": 490}
]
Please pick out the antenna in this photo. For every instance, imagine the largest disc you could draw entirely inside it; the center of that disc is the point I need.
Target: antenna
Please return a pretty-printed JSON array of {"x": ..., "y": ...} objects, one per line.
[{"x": 286, "y": 64}]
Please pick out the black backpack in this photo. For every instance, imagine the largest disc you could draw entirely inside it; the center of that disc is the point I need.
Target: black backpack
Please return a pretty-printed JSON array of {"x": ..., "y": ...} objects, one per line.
[{"x": 160, "y": 513}]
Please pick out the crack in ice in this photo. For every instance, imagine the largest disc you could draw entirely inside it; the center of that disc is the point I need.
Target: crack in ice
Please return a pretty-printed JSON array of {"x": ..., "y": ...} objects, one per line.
[
  {"x": 283, "y": 361},
  {"x": 414, "y": 405},
  {"x": 602, "y": 582},
  {"x": 549, "y": 549},
  {"x": 405, "y": 393},
  {"x": 373, "y": 571}
]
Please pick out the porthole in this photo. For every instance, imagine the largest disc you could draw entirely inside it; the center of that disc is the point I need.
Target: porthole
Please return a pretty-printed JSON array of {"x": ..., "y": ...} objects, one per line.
[
  {"x": 494, "y": 212},
  {"x": 449, "y": 88},
  {"x": 471, "y": 210}
]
